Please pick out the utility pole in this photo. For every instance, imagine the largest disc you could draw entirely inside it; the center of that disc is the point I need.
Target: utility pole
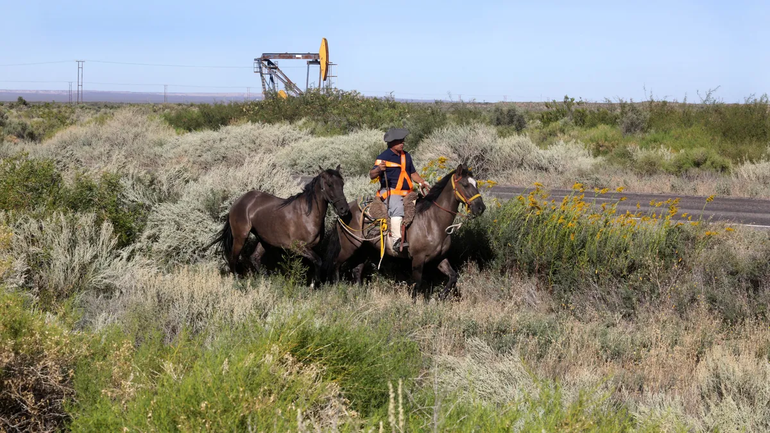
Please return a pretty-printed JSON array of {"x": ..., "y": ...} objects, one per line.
[
  {"x": 80, "y": 80},
  {"x": 165, "y": 93},
  {"x": 70, "y": 93}
]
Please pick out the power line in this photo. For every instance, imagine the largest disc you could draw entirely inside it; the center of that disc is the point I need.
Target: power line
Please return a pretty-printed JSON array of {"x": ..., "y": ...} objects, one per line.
[
  {"x": 165, "y": 84},
  {"x": 28, "y": 81},
  {"x": 170, "y": 66},
  {"x": 36, "y": 63}
]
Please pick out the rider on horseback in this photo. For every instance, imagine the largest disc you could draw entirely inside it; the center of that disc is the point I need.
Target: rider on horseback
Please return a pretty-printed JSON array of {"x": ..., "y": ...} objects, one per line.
[{"x": 396, "y": 171}]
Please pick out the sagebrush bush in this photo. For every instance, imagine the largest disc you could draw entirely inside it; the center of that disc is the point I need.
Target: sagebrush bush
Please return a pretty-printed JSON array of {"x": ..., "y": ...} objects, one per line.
[
  {"x": 62, "y": 255},
  {"x": 491, "y": 156},
  {"x": 354, "y": 152},
  {"x": 176, "y": 232},
  {"x": 199, "y": 152}
]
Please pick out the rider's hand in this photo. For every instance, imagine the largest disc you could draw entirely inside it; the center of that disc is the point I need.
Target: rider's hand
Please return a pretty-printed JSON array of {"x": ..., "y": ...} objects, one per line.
[
  {"x": 426, "y": 187},
  {"x": 382, "y": 167}
]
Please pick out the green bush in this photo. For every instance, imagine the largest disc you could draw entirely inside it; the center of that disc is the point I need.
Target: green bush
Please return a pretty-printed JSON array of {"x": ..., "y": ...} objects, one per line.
[
  {"x": 105, "y": 197},
  {"x": 37, "y": 356},
  {"x": 29, "y": 183},
  {"x": 701, "y": 158},
  {"x": 257, "y": 376},
  {"x": 34, "y": 185},
  {"x": 509, "y": 116}
]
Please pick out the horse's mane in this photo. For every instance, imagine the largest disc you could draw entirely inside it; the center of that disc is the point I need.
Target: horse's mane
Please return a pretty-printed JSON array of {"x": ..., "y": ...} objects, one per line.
[
  {"x": 435, "y": 191},
  {"x": 308, "y": 192}
]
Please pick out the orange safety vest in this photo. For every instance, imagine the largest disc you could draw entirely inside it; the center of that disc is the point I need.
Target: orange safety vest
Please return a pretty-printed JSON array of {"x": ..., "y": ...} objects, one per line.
[{"x": 399, "y": 189}]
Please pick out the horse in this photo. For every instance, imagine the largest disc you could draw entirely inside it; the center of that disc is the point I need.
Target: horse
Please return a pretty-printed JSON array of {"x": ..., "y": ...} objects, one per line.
[
  {"x": 428, "y": 235},
  {"x": 295, "y": 223}
]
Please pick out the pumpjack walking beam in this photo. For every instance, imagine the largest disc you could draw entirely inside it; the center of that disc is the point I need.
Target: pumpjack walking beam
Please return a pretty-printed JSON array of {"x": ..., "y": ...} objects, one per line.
[{"x": 269, "y": 71}]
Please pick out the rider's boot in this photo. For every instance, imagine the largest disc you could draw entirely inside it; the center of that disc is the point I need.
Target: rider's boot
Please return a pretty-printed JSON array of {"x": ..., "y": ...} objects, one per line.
[{"x": 395, "y": 232}]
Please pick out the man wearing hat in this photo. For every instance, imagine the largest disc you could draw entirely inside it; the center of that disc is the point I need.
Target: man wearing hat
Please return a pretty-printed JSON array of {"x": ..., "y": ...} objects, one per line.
[{"x": 397, "y": 174}]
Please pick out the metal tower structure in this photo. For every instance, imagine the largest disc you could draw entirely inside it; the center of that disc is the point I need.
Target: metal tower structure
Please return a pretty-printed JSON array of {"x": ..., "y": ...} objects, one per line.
[{"x": 269, "y": 72}]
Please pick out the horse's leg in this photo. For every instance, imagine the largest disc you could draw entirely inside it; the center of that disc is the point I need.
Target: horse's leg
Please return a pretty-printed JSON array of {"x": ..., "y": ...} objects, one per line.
[
  {"x": 317, "y": 263},
  {"x": 239, "y": 240},
  {"x": 358, "y": 271},
  {"x": 256, "y": 256},
  {"x": 446, "y": 268},
  {"x": 417, "y": 266}
]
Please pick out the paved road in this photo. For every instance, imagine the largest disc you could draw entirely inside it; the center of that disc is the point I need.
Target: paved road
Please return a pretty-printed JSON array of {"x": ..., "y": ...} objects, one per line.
[
  {"x": 734, "y": 210},
  {"x": 744, "y": 211}
]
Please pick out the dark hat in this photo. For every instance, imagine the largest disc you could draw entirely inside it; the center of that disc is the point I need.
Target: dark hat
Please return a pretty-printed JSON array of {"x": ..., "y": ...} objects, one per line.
[{"x": 396, "y": 134}]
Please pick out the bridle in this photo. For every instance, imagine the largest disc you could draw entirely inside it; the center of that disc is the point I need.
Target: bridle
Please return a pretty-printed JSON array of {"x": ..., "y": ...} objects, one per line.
[
  {"x": 326, "y": 196},
  {"x": 460, "y": 196},
  {"x": 465, "y": 200}
]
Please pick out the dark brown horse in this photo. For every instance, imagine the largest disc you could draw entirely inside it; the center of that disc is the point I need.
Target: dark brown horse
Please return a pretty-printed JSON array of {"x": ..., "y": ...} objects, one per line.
[
  {"x": 295, "y": 223},
  {"x": 428, "y": 235}
]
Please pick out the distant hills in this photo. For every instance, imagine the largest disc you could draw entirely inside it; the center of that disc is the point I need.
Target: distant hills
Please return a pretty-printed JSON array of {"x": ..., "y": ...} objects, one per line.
[{"x": 125, "y": 97}]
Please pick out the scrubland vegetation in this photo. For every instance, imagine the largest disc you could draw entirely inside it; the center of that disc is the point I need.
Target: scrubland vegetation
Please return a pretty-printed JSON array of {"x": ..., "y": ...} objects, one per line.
[{"x": 569, "y": 317}]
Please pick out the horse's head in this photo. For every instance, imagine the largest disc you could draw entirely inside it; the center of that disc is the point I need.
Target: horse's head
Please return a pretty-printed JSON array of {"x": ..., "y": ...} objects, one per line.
[
  {"x": 467, "y": 191},
  {"x": 332, "y": 188}
]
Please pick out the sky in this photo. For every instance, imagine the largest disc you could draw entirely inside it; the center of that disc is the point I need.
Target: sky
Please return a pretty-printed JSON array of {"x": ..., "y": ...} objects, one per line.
[{"x": 470, "y": 50}]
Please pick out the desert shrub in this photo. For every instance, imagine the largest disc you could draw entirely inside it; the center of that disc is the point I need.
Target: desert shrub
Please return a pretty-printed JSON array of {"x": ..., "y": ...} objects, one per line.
[
  {"x": 571, "y": 243},
  {"x": 733, "y": 274},
  {"x": 733, "y": 392},
  {"x": 35, "y": 185},
  {"x": 20, "y": 129},
  {"x": 508, "y": 116},
  {"x": 105, "y": 197},
  {"x": 592, "y": 118},
  {"x": 329, "y": 112},
  {"x": 37, "y": 356},
  {"x": 355, "y": 153},
  {"x": 701, "y": 158},
  {"x": 28, "y": 183},
  {"x": 176, "y": 232},
  {"x": 633, "y": 119},
  {"x": 200, "y": 151},
  {"x": 129, "y": 138},
  {"x": 556, "y": 111},
  {"x": 422, "y": 120},
  {"x": 61, "y": 255},
  {"x": 490, "y": 156},
  {"x": 204, "y": 116}
]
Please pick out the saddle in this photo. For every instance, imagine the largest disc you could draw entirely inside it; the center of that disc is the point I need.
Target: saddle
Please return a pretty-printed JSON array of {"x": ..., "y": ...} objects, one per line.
[{"x": 378, "y": 209}]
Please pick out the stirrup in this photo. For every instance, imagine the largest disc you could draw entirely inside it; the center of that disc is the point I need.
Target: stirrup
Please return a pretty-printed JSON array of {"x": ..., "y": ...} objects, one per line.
[{"x": 399, "y": 244}]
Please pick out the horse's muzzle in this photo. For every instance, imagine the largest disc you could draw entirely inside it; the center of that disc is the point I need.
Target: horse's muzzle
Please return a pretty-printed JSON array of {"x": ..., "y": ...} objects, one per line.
[
  {"x": 342, "y": 210},
  {"x": 477, "y": 208}
]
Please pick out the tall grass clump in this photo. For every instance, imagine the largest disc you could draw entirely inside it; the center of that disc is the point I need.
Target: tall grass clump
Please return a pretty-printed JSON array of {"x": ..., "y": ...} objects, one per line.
[{"x": 193, "y": 299}]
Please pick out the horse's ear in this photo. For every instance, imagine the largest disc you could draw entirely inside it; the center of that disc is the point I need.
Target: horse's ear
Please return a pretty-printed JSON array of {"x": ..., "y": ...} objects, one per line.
[
  {"x": 338, "y": 168},
  {"x": 320, "y": 168},
  {"x": 459, "y": 170}
]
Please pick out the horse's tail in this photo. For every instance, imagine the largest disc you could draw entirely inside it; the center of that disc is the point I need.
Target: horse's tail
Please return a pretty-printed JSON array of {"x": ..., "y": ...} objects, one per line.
[
  {"x": 225, "y": 240},
  {"x": 333, "y": 248}
]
